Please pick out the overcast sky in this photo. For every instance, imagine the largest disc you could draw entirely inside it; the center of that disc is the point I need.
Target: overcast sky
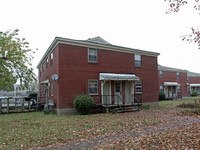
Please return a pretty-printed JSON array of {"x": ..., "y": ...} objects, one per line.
[{"x": 140, "y": 24}]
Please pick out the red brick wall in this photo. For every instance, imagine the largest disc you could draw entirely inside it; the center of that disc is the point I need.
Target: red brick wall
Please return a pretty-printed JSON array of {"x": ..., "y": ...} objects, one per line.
[
  {"x": 172, "y": 77},
  {"x": 48, "y": 72},
  {"x": 194, "y": 80},
  {"x": 74, "y": 72}
]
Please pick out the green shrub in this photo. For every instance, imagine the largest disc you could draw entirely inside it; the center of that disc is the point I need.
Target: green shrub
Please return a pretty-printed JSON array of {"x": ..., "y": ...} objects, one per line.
[
  {"x": 84, "y": 104},
  {"x": 194, "y": 94},
  {"x": 33, "y": 95},
  {"x": 46, "y": 110},
  {"x": 161, "y": 96}
]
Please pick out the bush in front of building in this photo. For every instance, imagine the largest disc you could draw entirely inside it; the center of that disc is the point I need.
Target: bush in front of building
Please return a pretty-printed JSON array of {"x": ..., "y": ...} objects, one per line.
[
  {"x": 194, "y": 94},
  {"x": 84, "y": 104},
  {"x": 161, "y": 96}
]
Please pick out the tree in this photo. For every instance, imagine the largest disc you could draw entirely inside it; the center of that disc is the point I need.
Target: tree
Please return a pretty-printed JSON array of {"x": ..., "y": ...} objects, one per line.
[
  {"x": 174, "y": 6},
  {"x": 15, "y": 60}
]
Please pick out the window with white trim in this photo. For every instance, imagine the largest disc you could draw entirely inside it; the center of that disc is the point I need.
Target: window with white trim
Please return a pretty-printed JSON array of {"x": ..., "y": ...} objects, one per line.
[
  {"x": 47, "y": 62},
  {"x": 92, "y": 55},
  {"x": 51, "y": 58},
  {"x": 138, "y": 87},
  {"x": 161, "y": 88},
  {"x": 43, "y": 67},
  {"x": 51, "y": 88},
  {"x": 161, "y": 74},
  {"x": 93, "y": 87},
  {"x": 178, "y": 75},
  {"x": 138, "y": 62},
  {"x": 178, "y": 88}
]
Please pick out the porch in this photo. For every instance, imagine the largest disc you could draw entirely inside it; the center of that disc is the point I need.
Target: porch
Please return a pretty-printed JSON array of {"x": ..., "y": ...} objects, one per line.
[
  {"x": 118, "y": 93},
  {"x": 103, "y": 102},
  {"x": 172, "y": 90}
]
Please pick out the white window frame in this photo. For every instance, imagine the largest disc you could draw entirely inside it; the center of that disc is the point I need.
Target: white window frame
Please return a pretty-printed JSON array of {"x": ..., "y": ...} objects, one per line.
[
  {"x": 138, "y": 58},
  {"x": 138, "y": 88},
  {"x": 51, "y": 58},
  {"x": 178, "y": 75},
  {"x": 161, "y": 73},
  {"x": 47, "y": 62},
  {"x": 92, "y": 80},
  {"x": 161, "y": 88},
  {"x": 92, "y": 61},
  {"x": 51, "y": 88},
  {"x": 178, "y": 88}
]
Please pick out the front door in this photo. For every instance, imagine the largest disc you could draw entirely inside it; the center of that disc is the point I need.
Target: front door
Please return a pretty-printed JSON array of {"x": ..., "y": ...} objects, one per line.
[
  {"x": 118, "y": 92},
  {"x": 106, "y": 97},
  {"x": 129, "y": 92}
]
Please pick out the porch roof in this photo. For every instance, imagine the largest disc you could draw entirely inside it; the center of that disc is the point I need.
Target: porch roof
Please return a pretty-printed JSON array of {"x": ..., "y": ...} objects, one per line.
[
  {"x": 44, "y": 82},
  {"x": 113, "y": 76},
  {"x": 171, "y": 84},
  {"x": 195, "y": 85}
]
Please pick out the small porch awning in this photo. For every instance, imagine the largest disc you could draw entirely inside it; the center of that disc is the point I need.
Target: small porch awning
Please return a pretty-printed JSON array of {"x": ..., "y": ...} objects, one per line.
[
  {"x": 113, "y": 76},
  {"x": 171, "y": 84},
  {"x": 46, "y": 82},
  {"x": 195, "y": 85}
]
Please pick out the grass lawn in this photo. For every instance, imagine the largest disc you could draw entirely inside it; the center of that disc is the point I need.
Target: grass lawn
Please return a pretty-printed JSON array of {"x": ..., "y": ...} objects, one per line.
[{"x": 35, "y": 129}]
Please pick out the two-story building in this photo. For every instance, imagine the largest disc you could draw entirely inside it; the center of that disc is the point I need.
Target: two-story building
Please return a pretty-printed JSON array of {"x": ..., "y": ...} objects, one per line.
[
  {"x": 95, "y": 67},
  {"x": 173, "y": 82},
  {"x": 194, "y": 82}
]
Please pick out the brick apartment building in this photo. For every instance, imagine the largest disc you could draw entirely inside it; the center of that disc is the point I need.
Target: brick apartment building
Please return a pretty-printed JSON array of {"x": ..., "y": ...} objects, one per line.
[
  {"x": 177, "y": 83},
  {"x": 96, "y": 67},
  {"x": 194, "y": 82}
]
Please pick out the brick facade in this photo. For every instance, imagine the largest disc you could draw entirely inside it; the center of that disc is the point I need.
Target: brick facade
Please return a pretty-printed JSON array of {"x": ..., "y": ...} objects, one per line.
[{"x": 70, "y": 63}]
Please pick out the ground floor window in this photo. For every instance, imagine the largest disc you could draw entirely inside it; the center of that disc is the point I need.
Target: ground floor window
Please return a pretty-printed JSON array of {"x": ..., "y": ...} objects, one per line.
[
  {"x": 138, "y": 87},
  {"x": 93, "y": 87},
  {"x": 161, "y": 88},
  {"x": 52, "y": 88}
]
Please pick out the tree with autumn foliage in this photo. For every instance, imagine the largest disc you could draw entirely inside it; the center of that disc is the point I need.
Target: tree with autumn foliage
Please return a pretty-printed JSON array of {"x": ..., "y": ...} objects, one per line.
[
  {"x": 174, "y": 6},
  {"x": 15, "y": 60}
]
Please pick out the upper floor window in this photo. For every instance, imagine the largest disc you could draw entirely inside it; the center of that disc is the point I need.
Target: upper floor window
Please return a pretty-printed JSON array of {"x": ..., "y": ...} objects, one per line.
[
  {"x": 47, "y": 62},
  {"x": 187, "y": 78},
  {"x": 40, "y": 70},
  {"x": 43, "y": 67},
  {"x": 178, "y": 75},
  {"x": 51, "y": 58},
  {"x": 161, "y": 74},
  {"x": 138, "y": 62},
  {"x": 138, "y": 87},
  {"x": 92, "y": 87},
  {"x": 92, "y": 55}
]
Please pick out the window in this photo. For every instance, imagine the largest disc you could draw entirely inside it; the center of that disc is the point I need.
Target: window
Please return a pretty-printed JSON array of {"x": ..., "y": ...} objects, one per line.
[
  {"x": 47, "y": 61},
  {"x": 138, "y": 62},
  {"x": 178, "y": 88},
  {"x": 138, "y": 87},
  {"x": 43, "y": 67},
  {"x": 40, "y": 70},
  {"x": 51, "y": 58},
  {"x": 161, "y": 74},
  {"x": 161, "y": 88},
  {"x": 178, "y": 75},
  {"x": 92, "y": 87},
  {"x": 92, "y": 55},
  {"x": 188, "y": 88},
  {"x": 52, "y": 88},
  {"x": 187, "y": 78}
]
